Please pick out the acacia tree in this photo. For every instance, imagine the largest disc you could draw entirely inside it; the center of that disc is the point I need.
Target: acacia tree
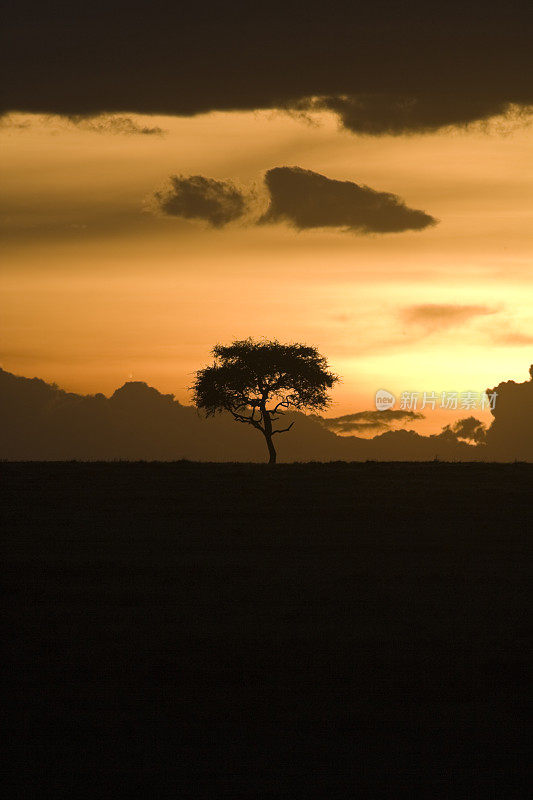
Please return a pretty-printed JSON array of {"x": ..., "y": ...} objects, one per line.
[{"x": 258, "y": 382}]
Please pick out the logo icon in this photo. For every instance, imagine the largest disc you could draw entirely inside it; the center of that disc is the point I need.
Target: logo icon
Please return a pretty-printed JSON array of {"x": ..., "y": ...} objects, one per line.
[{"x": 384, "y": 400}]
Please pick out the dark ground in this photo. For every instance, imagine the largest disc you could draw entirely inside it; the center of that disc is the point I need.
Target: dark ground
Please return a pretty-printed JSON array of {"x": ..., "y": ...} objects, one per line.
[{"x": 234, "y": 631}]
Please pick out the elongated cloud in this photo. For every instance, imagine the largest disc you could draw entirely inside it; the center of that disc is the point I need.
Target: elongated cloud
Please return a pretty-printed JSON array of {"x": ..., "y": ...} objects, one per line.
[
  {"x": 196, "y": 197},
  {"x": 512, "y": 338},
  {"x": 369, "y": 421},
  {"x": 307, "y": 199},
  {"x": 435, "y": 316},
  {"x": 115, "y": 124},
  {"x": 382, "y": 66}
]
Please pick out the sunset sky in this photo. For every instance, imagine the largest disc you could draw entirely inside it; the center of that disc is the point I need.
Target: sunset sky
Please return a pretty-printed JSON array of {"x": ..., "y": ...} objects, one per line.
[{"x": 101, "y": 283}]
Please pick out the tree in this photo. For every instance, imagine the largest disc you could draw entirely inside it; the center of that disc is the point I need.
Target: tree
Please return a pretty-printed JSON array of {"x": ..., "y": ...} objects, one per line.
[{"x": 257, "y": 382}]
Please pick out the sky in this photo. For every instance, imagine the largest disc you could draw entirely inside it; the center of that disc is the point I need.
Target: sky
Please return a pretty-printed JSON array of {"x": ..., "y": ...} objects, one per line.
[{"x": 395, "y": 235}]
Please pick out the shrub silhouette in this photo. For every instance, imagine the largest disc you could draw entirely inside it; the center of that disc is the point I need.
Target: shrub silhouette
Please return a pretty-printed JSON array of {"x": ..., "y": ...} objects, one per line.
[{"x": 257, "y": 382}]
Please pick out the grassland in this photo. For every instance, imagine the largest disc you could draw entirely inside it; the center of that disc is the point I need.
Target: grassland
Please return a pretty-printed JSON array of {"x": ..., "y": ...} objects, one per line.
[{"x": 237, "y": 631}]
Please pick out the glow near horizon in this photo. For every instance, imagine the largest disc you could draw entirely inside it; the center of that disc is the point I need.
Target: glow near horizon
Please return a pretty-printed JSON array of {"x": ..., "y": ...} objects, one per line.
[{"x": 96, "y": 288}]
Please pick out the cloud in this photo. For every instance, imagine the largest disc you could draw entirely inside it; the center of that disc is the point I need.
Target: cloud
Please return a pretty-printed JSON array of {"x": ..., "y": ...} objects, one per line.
[
  {"x": 369, "y": 421},
  {"x": 307, "y": 199},
  {"x": 43, "y": 422},
  {"x": 101, "y": 123},
  {"x": 510, "y": 436},
  {"x": 382, "y": 66},
  {"x": 215, "y": 202},
  {"x": 300, "y": 197},
  {"x": 114, "y": 124},
  {"x": 512, "y": 338},
  {"x": 469, "y": 429},
  {"x": 438, "y": 316},
  {"x": 395, "y": 114},
  {"x": 14, "y": 122}
]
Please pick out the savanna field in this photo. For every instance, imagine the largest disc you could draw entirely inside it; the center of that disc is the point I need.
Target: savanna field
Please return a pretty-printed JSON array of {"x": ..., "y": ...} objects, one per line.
[{"x": 326, "y": 630}]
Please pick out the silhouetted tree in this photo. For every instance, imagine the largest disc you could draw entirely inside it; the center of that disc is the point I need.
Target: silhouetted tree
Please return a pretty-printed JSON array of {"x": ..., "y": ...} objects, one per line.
[{"x": 254, "y": 381}]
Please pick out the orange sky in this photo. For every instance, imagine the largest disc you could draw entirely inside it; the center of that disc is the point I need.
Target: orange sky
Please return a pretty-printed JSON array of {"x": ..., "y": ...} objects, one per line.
[{"x": 97, "y": 288}]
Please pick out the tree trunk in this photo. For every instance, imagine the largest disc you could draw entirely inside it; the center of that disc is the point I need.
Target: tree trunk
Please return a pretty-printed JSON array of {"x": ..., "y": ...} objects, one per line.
[
  {"x": 271, "y": 450},
  {"x": 267, "y": 431}
]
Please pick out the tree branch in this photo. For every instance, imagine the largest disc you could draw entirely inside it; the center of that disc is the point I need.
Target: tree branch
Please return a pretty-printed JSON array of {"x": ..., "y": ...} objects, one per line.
[
  {"x": 284, "y": 403},
  {"x": 283, "y": 430},
  {"x": 244, "y": 418}
]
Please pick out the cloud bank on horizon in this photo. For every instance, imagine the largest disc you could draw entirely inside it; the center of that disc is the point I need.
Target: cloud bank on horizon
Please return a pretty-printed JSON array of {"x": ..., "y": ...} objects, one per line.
[
  {"x": 383, "y": 67},
  {"x": 43, "y": 422}
]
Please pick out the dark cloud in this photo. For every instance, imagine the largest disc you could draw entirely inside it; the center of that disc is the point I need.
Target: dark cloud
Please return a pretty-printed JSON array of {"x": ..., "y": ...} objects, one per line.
[
  {"x": 299, "y": 197},
  {"x": 469, "y": 428},
  {"x": 307, "y": 199},
  {"x": 382, "y": 66},
  {"x": 510, "y": 436},
  {"x": 369, "y": 421},
  {"x": 435, "y": 316},
  {"x": 196, "y": 197},
  {"x": 395, "y": 114}
]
